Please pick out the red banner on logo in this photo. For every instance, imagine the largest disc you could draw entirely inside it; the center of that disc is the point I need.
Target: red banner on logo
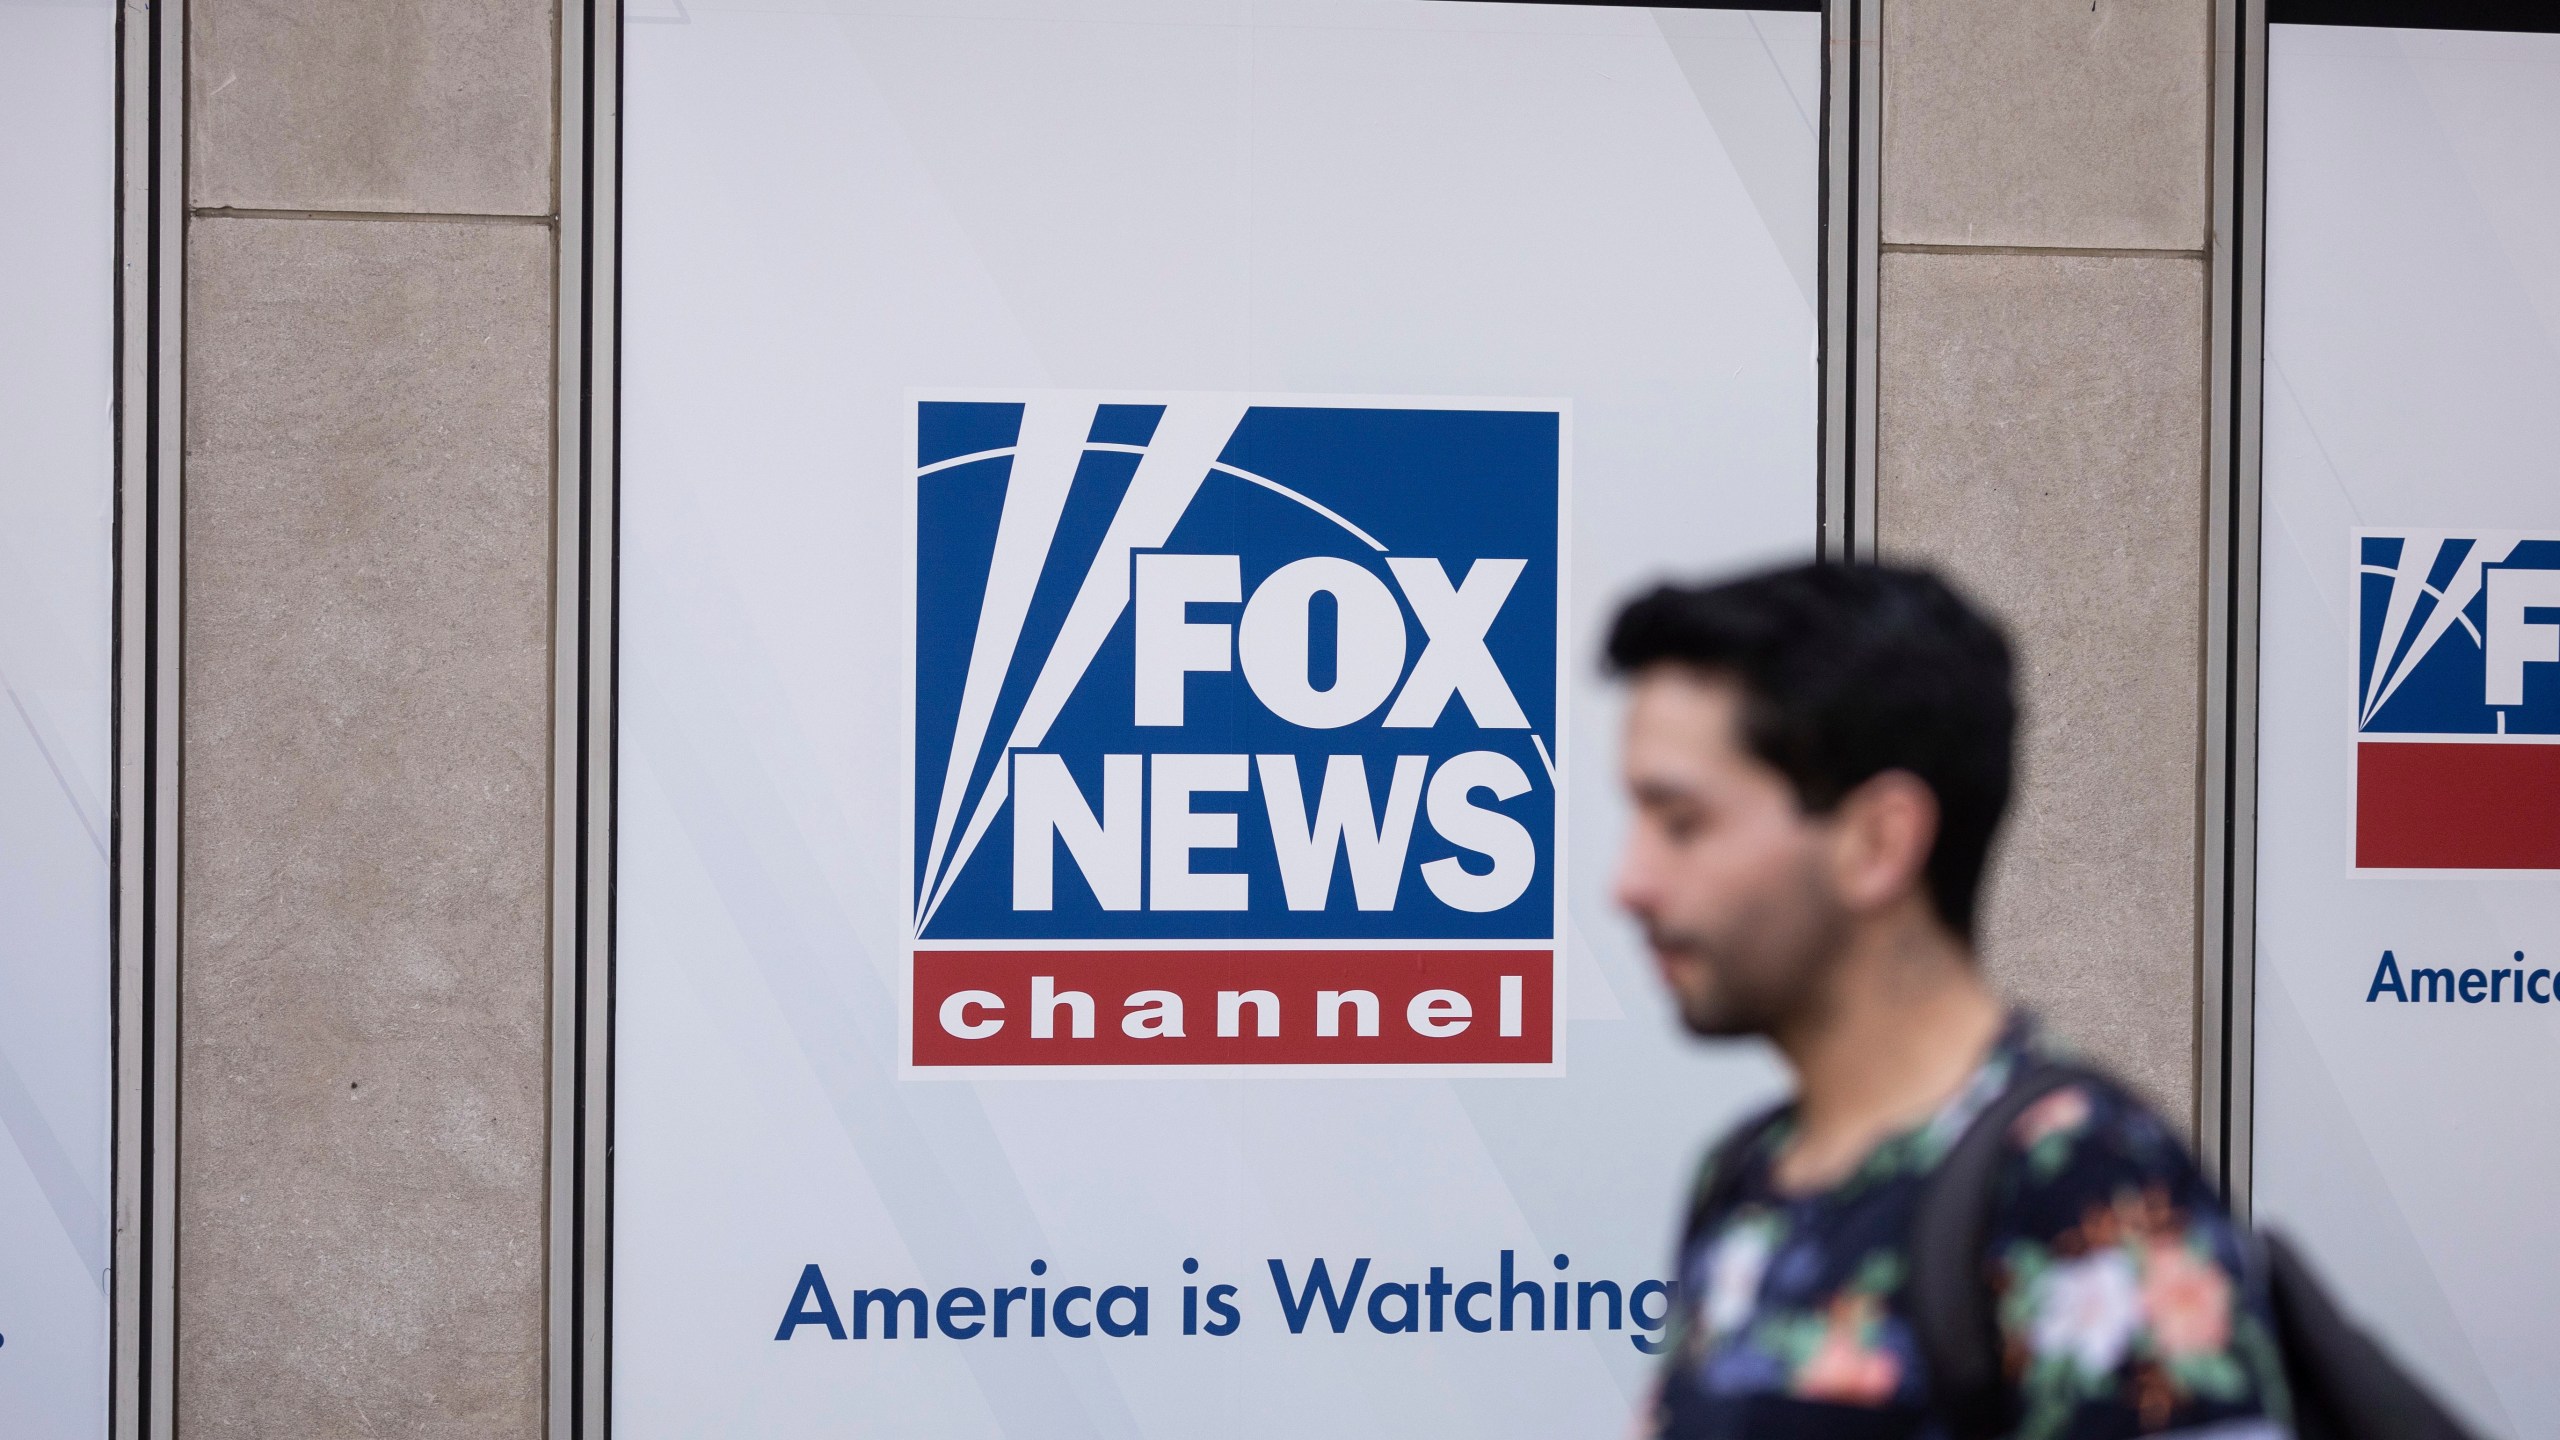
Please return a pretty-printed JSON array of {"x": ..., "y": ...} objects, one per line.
[
  {"x": 1234, "y": 1007},
  {"x": 2457, "y": 806}
]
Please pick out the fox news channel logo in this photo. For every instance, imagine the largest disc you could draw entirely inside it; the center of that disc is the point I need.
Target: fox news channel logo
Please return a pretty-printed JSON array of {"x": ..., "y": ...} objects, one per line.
[
  {"x": 1235, "y": 732},
  {"x": 2457, "y": 700}
]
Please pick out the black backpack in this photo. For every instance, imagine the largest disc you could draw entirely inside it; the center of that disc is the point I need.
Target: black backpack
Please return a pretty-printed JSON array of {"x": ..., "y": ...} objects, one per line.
[{"x": 2344, "y": 1385}]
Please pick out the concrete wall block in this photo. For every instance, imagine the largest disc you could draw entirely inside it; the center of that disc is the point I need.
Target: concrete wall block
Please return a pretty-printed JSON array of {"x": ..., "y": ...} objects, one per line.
[
  {"x": 437, "y": 106},
  {"x": 2047, "y": 122},
  {"x": 2041, "y": 438},
  {"x": 361, "y": 1174}
]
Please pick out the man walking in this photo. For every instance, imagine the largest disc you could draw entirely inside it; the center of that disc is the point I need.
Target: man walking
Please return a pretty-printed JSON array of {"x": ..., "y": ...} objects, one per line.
[{"x": 1818, "y": 758}]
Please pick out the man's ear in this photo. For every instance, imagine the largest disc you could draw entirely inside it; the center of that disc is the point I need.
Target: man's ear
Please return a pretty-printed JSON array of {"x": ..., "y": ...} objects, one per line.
[{"x": 1882, "y": 833}]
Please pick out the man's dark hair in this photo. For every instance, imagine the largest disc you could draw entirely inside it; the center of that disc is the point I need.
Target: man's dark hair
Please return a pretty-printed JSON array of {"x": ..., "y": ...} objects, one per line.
[{"x": 1848, "y": 671}]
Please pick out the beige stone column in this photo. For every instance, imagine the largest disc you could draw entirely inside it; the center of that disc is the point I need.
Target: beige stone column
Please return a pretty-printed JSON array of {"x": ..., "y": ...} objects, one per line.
[
  {"x": 2041, "y": 434},
  {"x": 368, "y": 485}
]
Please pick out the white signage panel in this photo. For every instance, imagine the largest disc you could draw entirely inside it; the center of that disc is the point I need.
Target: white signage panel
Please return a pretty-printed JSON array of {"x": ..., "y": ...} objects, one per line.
[
  {"x": 2408, "y": 876},
  {"x": 1115, "y": 803},
  {"x": 57, "y": 511}
]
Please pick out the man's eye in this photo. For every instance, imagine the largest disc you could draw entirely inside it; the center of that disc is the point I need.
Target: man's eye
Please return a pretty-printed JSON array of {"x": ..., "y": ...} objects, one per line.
[{"x": 1683, "y": 826}]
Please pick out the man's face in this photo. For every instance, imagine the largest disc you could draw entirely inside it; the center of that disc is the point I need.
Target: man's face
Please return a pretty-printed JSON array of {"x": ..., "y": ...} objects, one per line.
[{"x": 1724, "y": 870}]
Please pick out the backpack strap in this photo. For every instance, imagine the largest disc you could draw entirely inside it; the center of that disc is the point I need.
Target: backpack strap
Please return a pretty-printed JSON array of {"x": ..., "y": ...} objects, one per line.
[{"x": 1953, "y": 1314}]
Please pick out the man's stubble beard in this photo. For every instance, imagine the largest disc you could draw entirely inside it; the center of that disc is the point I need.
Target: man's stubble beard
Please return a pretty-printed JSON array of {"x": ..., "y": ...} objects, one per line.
[{"x": 1767, "y": 970}]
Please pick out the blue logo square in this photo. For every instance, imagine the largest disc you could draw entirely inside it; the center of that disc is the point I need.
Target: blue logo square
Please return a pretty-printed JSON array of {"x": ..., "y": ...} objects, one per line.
[
  {"x": 1233, "y": 670},
  {"x": 2457, "y": 633}
]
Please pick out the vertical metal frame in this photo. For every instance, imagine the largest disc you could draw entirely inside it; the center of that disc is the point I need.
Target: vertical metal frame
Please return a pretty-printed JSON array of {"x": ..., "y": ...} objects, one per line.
[
  {"x": 2227, "y": 849},
  {"x": 579, "y": 1229},
  {"x": 144, "y": 888},
  {"x": 1852, "y": 147}
]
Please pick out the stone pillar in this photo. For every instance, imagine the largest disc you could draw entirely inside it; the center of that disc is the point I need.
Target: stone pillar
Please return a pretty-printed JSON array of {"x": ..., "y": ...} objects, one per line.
[
  {"x": 368, "y": 483},
  {"x": 2041, "y": 435}
]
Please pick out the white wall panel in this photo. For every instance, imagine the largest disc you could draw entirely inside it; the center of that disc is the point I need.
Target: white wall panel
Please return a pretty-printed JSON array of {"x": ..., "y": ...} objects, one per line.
[
  {"x": 828, "y": 207},
  {"x": 57, "y": 272},
  {"x": 2412, "y": 399}
]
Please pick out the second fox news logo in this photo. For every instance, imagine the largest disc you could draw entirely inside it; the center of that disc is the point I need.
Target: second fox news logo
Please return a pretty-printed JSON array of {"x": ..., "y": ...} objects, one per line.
[
  {"x": 1235, "y": 732},
  {"x": 2457, "y": 700}
]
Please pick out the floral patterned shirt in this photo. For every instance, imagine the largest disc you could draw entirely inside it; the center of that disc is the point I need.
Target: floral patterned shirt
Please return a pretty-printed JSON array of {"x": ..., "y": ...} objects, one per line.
[{"x": 2116, "y": 1273}]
